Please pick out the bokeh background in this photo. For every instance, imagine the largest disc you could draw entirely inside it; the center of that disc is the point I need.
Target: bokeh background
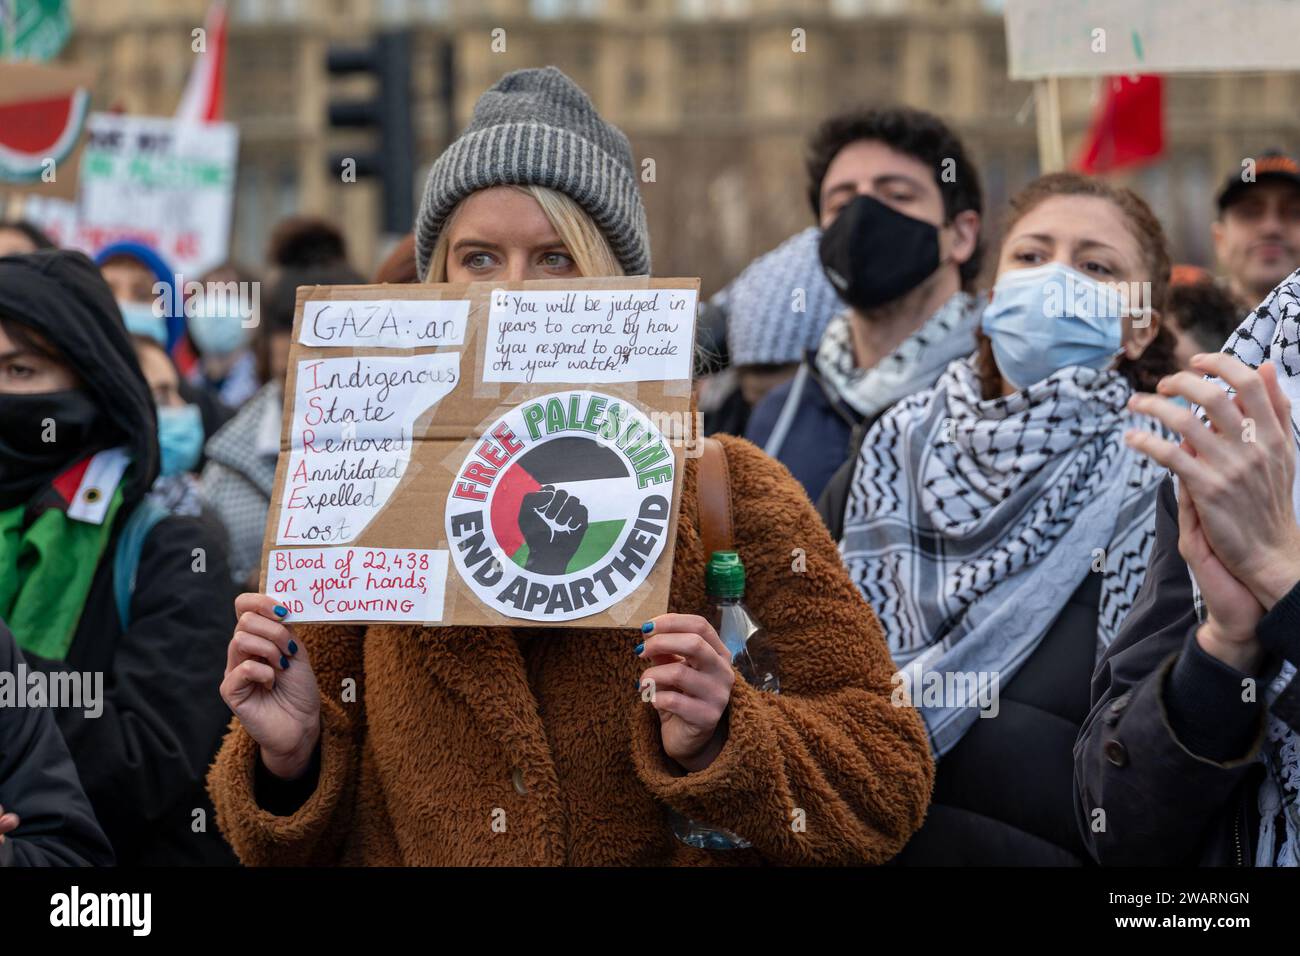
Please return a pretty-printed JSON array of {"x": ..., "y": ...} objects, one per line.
[{"x": 710, "y": 89}]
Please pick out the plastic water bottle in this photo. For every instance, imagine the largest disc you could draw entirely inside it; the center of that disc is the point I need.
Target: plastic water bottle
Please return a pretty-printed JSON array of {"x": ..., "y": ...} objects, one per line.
[{"x": 753, "y": 658}]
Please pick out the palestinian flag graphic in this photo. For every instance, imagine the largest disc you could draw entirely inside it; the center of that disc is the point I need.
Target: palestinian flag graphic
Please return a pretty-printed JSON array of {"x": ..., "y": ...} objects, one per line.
[
  {"x": 561, "y": 507},
  {"x": 560, "y": 489}
]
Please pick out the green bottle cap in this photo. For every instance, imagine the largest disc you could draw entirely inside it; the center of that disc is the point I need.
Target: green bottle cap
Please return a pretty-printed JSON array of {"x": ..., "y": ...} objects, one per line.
[{"x": 725, "y": 575}]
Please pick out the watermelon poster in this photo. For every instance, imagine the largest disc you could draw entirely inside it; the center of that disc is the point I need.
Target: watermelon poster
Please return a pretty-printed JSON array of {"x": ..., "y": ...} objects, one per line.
[
  {"x": 483, "y": 454},
  {"x": 43, "y": 114}
]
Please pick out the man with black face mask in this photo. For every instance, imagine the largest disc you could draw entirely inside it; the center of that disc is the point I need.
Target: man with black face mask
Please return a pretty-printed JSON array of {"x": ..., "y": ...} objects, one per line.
[
  {"x": 899, "y": 204},
  {"x": 121, "y": 606}
]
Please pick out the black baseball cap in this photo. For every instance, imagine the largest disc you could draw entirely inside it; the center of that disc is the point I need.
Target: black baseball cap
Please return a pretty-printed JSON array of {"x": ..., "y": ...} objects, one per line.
[{"x": 1272, "y": 164}]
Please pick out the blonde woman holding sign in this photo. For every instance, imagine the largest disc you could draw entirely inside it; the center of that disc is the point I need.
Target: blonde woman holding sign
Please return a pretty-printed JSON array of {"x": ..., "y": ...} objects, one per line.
[{"x": 399, "y": 744}]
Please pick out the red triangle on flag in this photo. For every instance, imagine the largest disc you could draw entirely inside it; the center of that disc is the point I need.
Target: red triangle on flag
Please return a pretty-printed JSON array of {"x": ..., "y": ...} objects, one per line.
[{"x": 68, "y": 482}]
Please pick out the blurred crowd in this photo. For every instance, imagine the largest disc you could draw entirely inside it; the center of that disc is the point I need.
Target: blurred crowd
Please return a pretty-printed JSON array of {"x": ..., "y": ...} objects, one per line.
[{"x": 988, "y": 435}]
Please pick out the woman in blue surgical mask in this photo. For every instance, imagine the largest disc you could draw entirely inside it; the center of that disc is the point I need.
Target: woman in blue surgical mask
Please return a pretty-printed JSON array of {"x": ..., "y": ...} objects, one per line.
[
  {"x": 180, "y": 430},
  {"x": 136, "y": 274},
  {"x": 1000, "y": 526},
  {"x": 220, "y": 321}
]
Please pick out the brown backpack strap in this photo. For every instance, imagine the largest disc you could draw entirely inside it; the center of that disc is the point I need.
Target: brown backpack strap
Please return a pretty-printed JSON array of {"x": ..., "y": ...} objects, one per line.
[{"x": 714, "y": 498}]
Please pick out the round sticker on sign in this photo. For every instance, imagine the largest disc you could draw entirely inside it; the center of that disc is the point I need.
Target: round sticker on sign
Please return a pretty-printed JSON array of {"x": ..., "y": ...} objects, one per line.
[{"x": 562, "y": 509}]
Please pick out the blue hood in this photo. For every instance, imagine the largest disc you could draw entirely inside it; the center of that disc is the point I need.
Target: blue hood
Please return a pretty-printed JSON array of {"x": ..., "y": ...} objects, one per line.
[{"x": 155, "y": 263}]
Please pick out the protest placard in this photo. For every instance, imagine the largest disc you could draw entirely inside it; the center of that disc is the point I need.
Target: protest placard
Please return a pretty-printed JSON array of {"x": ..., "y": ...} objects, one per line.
[
  {"x": 168, "y": 184},
  {"x": 43, "y": 112},
  {"x": 1119, "y": 37},
  {"x": 483, "y": 453}
]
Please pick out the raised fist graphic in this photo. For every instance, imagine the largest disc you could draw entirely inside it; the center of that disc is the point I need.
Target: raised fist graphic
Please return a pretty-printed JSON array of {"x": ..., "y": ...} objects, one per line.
[{"x": 553, "y": 523}]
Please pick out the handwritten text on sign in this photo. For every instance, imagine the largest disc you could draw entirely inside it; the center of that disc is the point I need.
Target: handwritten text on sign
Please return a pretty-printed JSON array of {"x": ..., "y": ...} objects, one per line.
[
  {"x": 358, "y": 584},
  {"x": 384, "y": 323},
  {"x": 591, "y": 335},
  {"x": 351, "y": 439}
]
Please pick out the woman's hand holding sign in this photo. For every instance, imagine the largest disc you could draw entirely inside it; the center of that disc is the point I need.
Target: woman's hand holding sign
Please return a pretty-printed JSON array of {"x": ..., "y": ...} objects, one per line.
[
  {"x": 270, "y": 686},
  {"x": 689, "y": 685}
]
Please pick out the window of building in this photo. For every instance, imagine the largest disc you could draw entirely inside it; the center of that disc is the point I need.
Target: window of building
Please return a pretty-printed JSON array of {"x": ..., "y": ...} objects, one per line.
[
  {"x": 252, "y": 10},
  {"x": 940, "y": 80},
  {"x": 555, "y": 9},
  {"x": 636, "y": 85},
  {"x": 859, "y": 8},
  {"x": 701, "y": 9}
]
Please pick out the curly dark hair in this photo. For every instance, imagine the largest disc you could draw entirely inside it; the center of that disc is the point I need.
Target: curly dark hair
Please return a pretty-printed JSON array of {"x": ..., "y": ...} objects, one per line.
[
  {"x": 1204, "y": 310},
  {"x": 300, "y": 242},
  {"x": 1157, "y": 359},
  {"x": 915, "y": 133}
]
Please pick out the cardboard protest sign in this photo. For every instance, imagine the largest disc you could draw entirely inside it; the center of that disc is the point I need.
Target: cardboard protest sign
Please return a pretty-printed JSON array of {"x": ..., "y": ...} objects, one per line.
[{"x": 483, "y": 453}]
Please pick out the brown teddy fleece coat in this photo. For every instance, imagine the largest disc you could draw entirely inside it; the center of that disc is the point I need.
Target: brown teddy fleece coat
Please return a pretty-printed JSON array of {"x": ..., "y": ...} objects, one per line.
[{"x": 472, "y": 746}]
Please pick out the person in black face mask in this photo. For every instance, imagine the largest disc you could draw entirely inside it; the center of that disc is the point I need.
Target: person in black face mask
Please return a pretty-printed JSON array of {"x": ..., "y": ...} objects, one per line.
[
  {"x": 899, "y": 205},
  {"x": 128, "y": 603}
]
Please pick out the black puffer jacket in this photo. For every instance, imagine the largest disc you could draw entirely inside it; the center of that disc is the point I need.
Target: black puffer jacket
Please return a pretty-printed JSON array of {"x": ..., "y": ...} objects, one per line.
[
  {"x": 1167, "y": 764},
  {"x": 1004, "y": 795},
  {"x": 143, "y": 761},
  {"x": 38, "y": 782}
]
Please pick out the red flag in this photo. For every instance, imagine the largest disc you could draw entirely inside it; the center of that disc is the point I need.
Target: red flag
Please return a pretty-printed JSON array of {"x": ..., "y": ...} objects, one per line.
[
  {"x": 1128, "y": 128},
  {"x": 201, "y": 101}
]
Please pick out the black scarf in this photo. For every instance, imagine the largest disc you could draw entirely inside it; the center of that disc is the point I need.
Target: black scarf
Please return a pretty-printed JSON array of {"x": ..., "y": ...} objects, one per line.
[{"x": 61, "y": 295}]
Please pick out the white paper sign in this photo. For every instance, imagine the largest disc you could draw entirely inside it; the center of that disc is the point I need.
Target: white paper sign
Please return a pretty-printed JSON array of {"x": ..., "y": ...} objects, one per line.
[
  {"x": 167, "y": 184},
  {"x": 1121, "y": 37},
  {"x": 350, "y": 439},
  {"x": 591, "y": 335},
  {"x": 385, "y": 323},
  {"x": 358, "y": 584}
]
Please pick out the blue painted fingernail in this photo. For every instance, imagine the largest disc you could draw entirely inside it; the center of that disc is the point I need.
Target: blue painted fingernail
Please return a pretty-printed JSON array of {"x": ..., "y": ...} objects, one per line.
[
  {"x": 639, "y": 648},
  {"x": 284, "y": 662},
  {"x": 281, "y": 611},
  {"x": 638, "y": 684},
  {"x": 647, "y": 627},
  {"x": 293, "y": 647}
]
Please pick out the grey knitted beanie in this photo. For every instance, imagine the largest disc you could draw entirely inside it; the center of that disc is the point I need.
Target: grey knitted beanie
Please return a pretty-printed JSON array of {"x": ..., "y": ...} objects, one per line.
[
  {"x": 763, "y": 326},
  {"x": 538, "y": 128}
]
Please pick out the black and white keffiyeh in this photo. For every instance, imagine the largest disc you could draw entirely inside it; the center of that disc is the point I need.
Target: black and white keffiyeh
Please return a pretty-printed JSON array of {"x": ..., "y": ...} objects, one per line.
[
  {"x": 1272, "y": 333},
  {"x": 970, "y": 523},
  {"x": 915, "y": 365}
]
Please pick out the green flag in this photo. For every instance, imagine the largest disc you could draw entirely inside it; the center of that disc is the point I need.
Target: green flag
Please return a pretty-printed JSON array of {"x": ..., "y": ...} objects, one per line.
[{"x": 33, "y": 29}]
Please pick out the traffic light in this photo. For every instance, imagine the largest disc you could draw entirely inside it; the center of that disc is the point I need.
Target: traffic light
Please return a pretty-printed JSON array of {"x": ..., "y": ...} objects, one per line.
[{"x": 388, "y": 112}]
